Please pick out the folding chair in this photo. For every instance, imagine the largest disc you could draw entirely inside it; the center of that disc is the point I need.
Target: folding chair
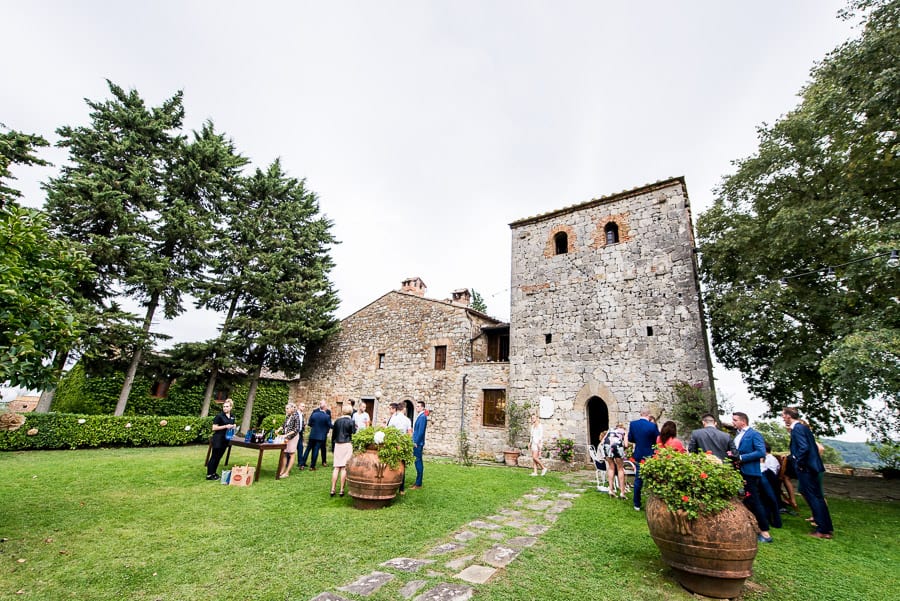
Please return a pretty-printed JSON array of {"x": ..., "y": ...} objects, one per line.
[{"x": 599, "y": 467}]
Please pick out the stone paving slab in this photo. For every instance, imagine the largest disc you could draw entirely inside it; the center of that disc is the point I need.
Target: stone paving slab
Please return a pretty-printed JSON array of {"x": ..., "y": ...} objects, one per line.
[
  {"x": 559, "y": 507},
  {"x": 484, "y": 525},
  {"x": 447, "y": 592},
  {"x": 459, "y": 562},
  {"x": 510, "y": 512},
  {"x": 495, "y": 518},
  {"x": 568, "y": 495},
  {"x": 540, "y": 505},
  {"x": 465, "y": 536},
  {"x": 445, "y": 548},
  {"x": 531, "y": 497},
  {"x": 411, "y": 588},
  {"x": 407, "y": 564},
  {"x": 477, "y": 574},
  {"x": 536, "y": 529},
  {"x": 500, "y": 556},
  {"x": 366, "y": 585},
  {"x": 521, "y": 541}
]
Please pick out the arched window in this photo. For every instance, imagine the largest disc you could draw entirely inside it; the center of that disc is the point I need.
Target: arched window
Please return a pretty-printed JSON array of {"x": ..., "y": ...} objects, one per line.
[
  {"x": 561, "y": 242},
  {"x": 612, "y": 232}
]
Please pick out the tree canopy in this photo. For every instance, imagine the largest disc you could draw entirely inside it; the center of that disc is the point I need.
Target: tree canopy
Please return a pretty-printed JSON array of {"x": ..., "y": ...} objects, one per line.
[{"x": 800, "y": 293}]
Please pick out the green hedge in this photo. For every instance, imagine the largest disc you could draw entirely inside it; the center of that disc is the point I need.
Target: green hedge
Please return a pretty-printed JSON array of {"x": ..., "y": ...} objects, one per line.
[
  {"x": 74, "y": 431},
  {"x": 78, "y": 392}
]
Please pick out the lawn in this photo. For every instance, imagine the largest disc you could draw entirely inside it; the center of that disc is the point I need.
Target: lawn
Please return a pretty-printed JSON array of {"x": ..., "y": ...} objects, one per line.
[{"x": 144, "y": 524}]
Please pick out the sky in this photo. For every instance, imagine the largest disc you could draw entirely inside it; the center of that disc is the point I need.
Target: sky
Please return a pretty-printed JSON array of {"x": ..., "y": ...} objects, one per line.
[{"x": 426, "y": 127}]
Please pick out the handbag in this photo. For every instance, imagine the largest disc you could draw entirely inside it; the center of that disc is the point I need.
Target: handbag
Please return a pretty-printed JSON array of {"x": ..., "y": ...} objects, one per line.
[{"x": 242, "y": 475}]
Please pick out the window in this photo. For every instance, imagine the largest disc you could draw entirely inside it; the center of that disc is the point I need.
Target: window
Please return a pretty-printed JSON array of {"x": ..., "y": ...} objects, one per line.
[
  {"x": 498, "y": 345},
  {"x": 548, "y": 338},
  {"x": 649, "y": 330},
  {"x": 612, "y": 232},
  {"x": 160, "y": 389},
  {"x": 561, "y": 243},
  {"x": 440, "y": 357},
  {"x": 380, "y": 360},
  {"x": 494, "y": 409}
]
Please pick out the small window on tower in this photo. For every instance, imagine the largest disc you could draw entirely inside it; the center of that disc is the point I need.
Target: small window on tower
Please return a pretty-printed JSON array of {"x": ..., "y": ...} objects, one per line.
[
  {"x": 612, "y": 233},
  {"x": 440, "y": 357},
  {"x": 380, "y": 360},
  {"x": 561, "y": 242},
  {"x": 548, "y": 338},
  {"x": 649, "y": 330}
]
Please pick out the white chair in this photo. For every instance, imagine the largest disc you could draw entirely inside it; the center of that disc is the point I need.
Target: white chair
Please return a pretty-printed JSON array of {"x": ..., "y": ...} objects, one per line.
[{"x": 599, "y": 468}]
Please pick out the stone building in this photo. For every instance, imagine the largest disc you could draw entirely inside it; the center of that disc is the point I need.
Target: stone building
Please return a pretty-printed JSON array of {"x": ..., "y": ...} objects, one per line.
[{"x": 605, "y": 317}]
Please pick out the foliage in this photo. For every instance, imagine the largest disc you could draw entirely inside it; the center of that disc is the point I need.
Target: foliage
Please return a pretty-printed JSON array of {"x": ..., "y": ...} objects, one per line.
[
  {"x": 464, "y": 455},
  {"x": 696, "y": 483},
  {"x": 821, "y": 191},
  {"x": 272, "y": 422},
  {"x": 38, "y": 278},
  {"x": 856, "y": 454},
  {"x": 395, "y": 448},
  {"x": 478, "y": 302},
  {"x": 888, "y": 453},
  {"x": 779, "y": 439},
  {"x": 74, "y": 431},
  {"x": 691, "y": 402},
  {"x": 517, "y": 415},
  {"x": 564, "y": 449}
]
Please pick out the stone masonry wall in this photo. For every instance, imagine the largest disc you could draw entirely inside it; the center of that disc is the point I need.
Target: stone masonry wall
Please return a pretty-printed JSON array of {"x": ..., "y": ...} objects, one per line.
[
  {"x": 622, "y": 318},
  {"x": 406, "y": 328}
]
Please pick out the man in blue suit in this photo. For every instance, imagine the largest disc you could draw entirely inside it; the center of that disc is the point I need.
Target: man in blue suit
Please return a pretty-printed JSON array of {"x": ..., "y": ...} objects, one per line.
[
  {"x": 751, "y": 447},
  {"x": 319, "y": 426},
  {"x": 420, "y": 422},
  {"x": 808, "y": 464},
  {"x": 642, "y": 433}
]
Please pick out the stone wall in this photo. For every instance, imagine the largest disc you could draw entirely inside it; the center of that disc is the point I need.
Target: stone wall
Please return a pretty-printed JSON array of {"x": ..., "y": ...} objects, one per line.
[
  {"x": 620, "y": 321},
  {"x": 405, "y": 328}
]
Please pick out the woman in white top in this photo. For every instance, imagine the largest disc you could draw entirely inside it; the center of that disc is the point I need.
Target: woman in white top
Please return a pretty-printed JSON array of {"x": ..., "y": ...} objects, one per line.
[{"x": 537, "y": 445}]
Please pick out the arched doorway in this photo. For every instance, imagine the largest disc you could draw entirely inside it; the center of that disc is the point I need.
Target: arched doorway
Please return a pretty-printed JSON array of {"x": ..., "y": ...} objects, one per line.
[
  {"x": 597, "y": 419},
  {"x": 409, "y": 409}
]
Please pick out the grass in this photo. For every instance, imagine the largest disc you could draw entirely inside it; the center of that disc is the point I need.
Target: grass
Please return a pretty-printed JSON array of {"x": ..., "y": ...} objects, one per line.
[{"x": 144, "y": 524}]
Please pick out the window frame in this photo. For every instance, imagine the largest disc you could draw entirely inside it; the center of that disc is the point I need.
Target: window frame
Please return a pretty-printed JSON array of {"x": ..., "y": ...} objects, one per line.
[{"x": 498, "y": 410}]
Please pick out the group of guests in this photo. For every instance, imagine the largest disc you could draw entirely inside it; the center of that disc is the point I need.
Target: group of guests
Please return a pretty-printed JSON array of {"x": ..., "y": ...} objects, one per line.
[
  {"x": 320, "y": 424},
  {"x": 763, "y": 473}
]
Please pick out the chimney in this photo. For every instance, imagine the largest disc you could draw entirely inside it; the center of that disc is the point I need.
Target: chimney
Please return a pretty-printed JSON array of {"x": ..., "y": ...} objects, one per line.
[
  {"x": 414, "y": 286},
  {"x": 462, "y": 297}
]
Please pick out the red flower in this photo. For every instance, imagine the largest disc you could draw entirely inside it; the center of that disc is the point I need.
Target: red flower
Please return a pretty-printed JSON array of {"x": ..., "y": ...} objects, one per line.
[
  {"x": 703, "y": 475},
  {"x": 643, "y": 461},
  {"x": 746, "y": 494},
  {"x": 685, "y": 498},
  {"x": 709, "y": 452}
]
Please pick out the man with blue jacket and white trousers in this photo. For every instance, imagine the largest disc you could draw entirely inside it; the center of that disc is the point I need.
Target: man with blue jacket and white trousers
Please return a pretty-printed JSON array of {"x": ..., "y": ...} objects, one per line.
[
  {"x": 751, "y": 447},
  {"x": 420, "y": 422}
]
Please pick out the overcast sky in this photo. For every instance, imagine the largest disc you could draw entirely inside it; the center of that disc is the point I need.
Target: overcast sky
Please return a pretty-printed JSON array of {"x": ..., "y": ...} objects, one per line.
[{"x": 425, "y": 128}]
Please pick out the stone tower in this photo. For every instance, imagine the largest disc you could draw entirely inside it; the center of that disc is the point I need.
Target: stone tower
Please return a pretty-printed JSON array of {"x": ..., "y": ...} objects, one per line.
[{"x": 606, "y": 313}]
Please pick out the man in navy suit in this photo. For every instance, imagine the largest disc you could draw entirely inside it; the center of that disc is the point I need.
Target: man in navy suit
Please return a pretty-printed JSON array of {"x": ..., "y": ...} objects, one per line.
[
  {"x": 808, "y": 464},
  {"x": 751, "y": 447},
  {"x": 420, "y": 422},
  {"x": 319, "y": 426},
  {"x": 642, "y": 433}
]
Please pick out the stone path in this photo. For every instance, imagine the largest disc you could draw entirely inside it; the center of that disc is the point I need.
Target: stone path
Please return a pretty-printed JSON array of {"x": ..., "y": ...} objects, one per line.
[{"x": 471, "y": 555}]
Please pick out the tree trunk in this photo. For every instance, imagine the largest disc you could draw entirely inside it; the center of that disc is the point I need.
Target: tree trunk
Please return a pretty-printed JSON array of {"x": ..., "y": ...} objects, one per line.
[
  {"x": 46, "y": 400},
  {"x": 251, "y": 396},
  {"x": 211, "y": 384},
  {"x": 136, "y": 360}
]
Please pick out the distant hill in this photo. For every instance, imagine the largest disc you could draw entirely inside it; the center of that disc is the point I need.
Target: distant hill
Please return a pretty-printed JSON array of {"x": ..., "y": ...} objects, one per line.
[{"x": 857, "y": 454}]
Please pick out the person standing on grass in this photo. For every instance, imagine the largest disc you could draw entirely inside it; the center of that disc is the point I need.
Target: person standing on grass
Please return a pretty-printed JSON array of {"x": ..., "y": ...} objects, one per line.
[
  {"x": 710, "y": 438},
  {"x": 614, "y": 445},
  {"x": 642, "y": 433},
  {"x": 291, "y": 431},
  {"x": 536, "y": 445},
  {"x": 222, "y": 425},
  {"x": 808, "y": 464},
  {"x": 420, "y": 423},
  {"x": 751, "y": 447},
  {"x": 399, "y": 421},
  {"x": 342, "y": 432},
  {"x": 319, "y": 425}
]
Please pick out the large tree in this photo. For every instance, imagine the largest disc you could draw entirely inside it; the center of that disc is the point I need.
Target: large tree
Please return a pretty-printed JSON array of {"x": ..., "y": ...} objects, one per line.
[
  {"x": 38, "y": 279},
  {"x": 276, "y": 278},
  {"x": 143, "y": 200},
  {"x": 802, "y": 298}
]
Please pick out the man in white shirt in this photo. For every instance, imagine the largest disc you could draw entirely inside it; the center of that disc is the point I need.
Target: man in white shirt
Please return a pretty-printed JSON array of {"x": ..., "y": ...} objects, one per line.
[{"x": 401, "y": 422}]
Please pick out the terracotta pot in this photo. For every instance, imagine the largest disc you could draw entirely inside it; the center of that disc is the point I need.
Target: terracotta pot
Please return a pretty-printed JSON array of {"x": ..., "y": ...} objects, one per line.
[
  {"x": 511, "y": 458},
  {"x": 372, "y": 484},
  {"x": 711, "y": 555}
]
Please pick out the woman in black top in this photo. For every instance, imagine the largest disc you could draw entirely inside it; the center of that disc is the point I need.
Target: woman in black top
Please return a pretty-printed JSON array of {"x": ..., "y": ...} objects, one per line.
[
  {"x": 222, "y": 425},
  {"x": 342, "y": 431}
]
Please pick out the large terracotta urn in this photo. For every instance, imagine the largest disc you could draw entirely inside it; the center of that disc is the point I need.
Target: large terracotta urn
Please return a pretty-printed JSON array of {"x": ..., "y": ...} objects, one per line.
[
  {"x": 372, "y": 484},
  {"x": 711, "y": 555}
]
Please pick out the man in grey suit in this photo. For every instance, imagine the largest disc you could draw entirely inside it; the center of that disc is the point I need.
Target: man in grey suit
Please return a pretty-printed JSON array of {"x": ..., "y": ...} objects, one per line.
[{"x": 710, "y": 438}]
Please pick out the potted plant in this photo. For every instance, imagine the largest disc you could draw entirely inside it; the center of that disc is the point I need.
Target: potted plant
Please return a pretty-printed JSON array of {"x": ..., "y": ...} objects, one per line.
[
  {"x": 377, "y": 467},
  {"x": 695, "y": 518},
  {"x": 516, "y": 424}
]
